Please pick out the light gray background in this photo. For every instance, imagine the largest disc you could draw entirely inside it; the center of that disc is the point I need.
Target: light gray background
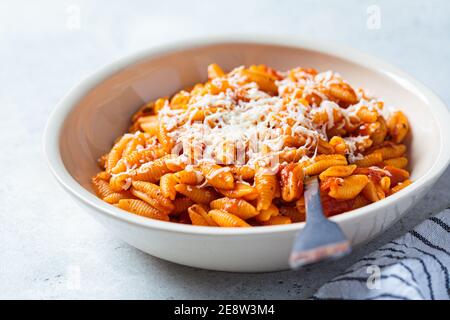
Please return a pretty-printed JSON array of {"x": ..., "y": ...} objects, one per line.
[{"x": 49, "y": 248}]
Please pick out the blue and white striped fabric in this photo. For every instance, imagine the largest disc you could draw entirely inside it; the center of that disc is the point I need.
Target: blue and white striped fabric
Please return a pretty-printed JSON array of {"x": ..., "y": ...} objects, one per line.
[{"x": 412, "y": 267}]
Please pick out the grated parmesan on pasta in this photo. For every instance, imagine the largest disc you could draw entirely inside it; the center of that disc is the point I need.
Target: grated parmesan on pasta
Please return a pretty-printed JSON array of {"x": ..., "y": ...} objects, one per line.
[{"x": 245, "y": 115}]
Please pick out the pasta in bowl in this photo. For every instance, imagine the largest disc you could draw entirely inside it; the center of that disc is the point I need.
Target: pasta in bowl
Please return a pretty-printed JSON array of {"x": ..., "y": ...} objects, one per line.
[
  {"x": 233, "y": 151},
  {"x": 96, "y": 114}
]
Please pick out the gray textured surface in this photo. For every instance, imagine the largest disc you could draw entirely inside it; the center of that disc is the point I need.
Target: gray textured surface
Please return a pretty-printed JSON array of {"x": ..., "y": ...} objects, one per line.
[{"x": 49, "y": 248}]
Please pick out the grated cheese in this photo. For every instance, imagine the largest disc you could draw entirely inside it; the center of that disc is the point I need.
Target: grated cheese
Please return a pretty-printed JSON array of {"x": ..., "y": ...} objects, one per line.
[{"x": 257, "y": 124}]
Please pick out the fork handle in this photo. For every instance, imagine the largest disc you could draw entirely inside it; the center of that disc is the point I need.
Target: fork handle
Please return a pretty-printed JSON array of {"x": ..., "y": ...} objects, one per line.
[{"x": 314, "y": 209}]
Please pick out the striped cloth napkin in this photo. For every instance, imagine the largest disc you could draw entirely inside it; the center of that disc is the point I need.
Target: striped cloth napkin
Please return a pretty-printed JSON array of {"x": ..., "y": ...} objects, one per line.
[{"x": 412, "y": 267}]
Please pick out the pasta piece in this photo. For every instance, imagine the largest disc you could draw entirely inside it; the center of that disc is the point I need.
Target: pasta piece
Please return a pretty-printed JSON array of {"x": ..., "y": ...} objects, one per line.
[
  {"x": 277, "y": 193},
  {"x": 366, "y": 115},
  {"x": 164, "y": 139},
  {"x": 320, "y": 117},
  {"x": 199, "y": 115},
  {"x": 265, "y": 215},
  {"x": 196, "y": 194},
  {"x": 180, "y": 100},
  {"x": 214, "y": 71},
  {"x": 202, "y": 211},
  {"x": 250, "y": 197},
  {"x": 324, "y": 147},
  {"x": 120, "y": 182},
  {"x": 115, "y": 197},
  {"x": 343, "y": 92},
  {"x": 151, "y": 201},
  {"x": 138, "y": 139},
  {"x": 339, "y": 145},
  {"x": 391, "y": 151},
  {"x": 217, "y": 176},
  {"x": 277, "y": 220},
  {"x": 189, "y": 177},
  {"x": 102, "y": 161},
  {"x": 291, "y": 182},
  {"x": 337, "y": 171},
  {"x": 142, "y": 208},
  {"x": 321, "y": 157},
  {"x": 104, "y": 191},
  {"x": 243, "y": 172},
  {"x": 181, "y": 205},
  {"x": 398, "y": 126},
  {"x": 380, "y": 192},
  {"x": 151, "y": 171},
  {"x": 148, "y": 118},
  {"x": 396, "y": 175},
  {"x": 400, "y": 162},
  {"x": 153, "y": 191},
  {"x": 293, "y": 155},
  {"x": 326, "y": 184},
  {"x": 294, "y": 141},
  {"x": 294, "y": 214},
  {"x": 101, "y": 187},
  {"x": 349, "y": 188},
  {"x": 264, "y": 81},
  {"x": 301, "y": 208},
  {"x": 104, "y": 176},
  {"x": 378, "y": 131},
  {"x": 371, "y": 192},
  {"x": 116, "y": 152},
  {"x": 159, "y": 104},
  {"x": 240, "y": 190},
  {"x": 196, "y": 219},
  {"x": 226, "y": 219},
  {"x": 374, "y": 173},
  {"x": 150, "y": 127},
  {"x": 401, "y": 186},
  {"x": 239, "y": 207},
  {"x": 167, "y": 185},
  {"x": 321, "y": 165},
  {"x": 137, "y": 157},
  {"x": 134, "y": 127},
  {"x": 385, "y": 184},
  {"x": 265, "y": 184},
  {"x": 369, "y": 160}
]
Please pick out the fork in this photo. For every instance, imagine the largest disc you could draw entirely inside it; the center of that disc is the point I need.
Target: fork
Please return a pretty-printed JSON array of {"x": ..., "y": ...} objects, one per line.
[{"x": 320, "y": 239}]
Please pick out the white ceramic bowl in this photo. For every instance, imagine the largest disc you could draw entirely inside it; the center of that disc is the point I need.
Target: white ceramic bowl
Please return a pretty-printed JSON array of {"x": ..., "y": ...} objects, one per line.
[{"x": 97, "y": 110}]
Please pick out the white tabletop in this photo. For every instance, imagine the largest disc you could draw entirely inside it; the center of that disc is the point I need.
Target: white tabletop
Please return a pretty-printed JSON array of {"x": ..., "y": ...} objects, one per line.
[{"x": 49, "y": 248}]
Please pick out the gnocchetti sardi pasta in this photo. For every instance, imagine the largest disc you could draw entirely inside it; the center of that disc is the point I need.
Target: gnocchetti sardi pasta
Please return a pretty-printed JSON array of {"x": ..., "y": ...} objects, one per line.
[{"x": 234, "y": 151}]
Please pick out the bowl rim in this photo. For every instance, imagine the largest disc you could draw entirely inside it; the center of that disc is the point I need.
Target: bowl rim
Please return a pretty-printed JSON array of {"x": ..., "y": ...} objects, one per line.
[{"x": 57, "y": 118}]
